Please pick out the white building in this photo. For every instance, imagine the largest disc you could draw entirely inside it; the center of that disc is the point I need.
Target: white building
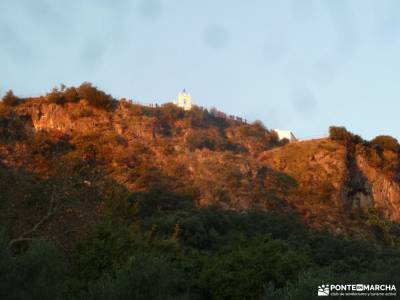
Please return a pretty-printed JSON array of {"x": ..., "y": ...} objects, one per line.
[
  {"x": 285, "y": 134},
  {"x": 184, "y": 100}
]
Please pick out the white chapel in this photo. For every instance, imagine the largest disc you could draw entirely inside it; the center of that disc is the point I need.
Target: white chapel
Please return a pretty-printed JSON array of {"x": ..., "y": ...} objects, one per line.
[{"x": 184, "y": 100}]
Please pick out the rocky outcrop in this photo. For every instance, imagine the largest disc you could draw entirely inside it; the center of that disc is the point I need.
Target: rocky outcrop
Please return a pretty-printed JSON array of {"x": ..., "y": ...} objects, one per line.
[
  {"x": 356, "y": 189},
  {"x": 83, "y": 118},
  {"x": 67, "y": 118},
  {"x": 385, "y": 192}
]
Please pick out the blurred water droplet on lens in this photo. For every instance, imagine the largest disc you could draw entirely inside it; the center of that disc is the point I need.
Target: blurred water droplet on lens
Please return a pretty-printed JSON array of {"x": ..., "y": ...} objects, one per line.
[
  {"x": 92, "y": 53},
  {"x": 216, "y": 37},
  {"x": 303, "y": 11},
  {"x": 150, "y": 9},
  {"x": 347, "y": 32},
  {"x": 304, "y": 101}
]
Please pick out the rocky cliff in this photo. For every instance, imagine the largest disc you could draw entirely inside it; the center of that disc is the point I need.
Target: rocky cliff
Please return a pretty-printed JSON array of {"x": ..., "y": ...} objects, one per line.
[{"x": 382, "y": 192}]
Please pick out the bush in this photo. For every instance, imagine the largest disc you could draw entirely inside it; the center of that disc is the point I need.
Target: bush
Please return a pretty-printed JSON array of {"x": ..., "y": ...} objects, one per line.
[
  {"x": 200, "y": 140},
  {"x": 385, "y": 142}
]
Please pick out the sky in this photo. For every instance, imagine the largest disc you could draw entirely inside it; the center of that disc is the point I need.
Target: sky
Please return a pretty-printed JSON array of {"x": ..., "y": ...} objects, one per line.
[{"x": 302, "y": 65}]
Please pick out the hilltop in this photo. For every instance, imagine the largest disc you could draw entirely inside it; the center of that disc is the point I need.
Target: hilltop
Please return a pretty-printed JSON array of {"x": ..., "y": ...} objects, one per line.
[{"x": 76, "y": 156}]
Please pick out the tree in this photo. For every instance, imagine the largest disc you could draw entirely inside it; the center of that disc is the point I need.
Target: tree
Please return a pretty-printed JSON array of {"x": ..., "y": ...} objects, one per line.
[
  {"x": 339, "y": 133},
  {"x": 95, "y": 97},
  {"x": 55, "y": 96},
  {"x": 10, "y": 99},
  {"x": 343, "y": 135},
  {"x": 71, "y": 95}
]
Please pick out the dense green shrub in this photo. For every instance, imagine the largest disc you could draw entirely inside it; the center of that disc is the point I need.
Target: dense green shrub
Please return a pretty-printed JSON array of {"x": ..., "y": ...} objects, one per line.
[
  {"x": 109, "y": 246},
  {"x": 37, "y": 273},
  {"x": 144, "y": 276},
  {"x": 189, "y": 253},
  {"x": 245, "y": 266}
]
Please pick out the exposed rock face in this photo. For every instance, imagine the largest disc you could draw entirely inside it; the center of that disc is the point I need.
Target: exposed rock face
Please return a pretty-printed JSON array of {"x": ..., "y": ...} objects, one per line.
[
  {"x": 385, "y": 192},
  {"x": 67, "y": 118},
  {"x": 83, "y": 118},
  {"x": 356, "y": 190}
]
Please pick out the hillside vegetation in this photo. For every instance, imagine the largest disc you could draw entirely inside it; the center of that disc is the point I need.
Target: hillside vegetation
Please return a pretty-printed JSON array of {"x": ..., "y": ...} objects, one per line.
[{"x": 107, "y": 199}]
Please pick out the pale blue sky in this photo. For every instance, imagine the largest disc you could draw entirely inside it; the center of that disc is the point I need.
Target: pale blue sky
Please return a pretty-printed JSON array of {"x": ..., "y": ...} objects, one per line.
[{"x": 302, "y": 64}]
